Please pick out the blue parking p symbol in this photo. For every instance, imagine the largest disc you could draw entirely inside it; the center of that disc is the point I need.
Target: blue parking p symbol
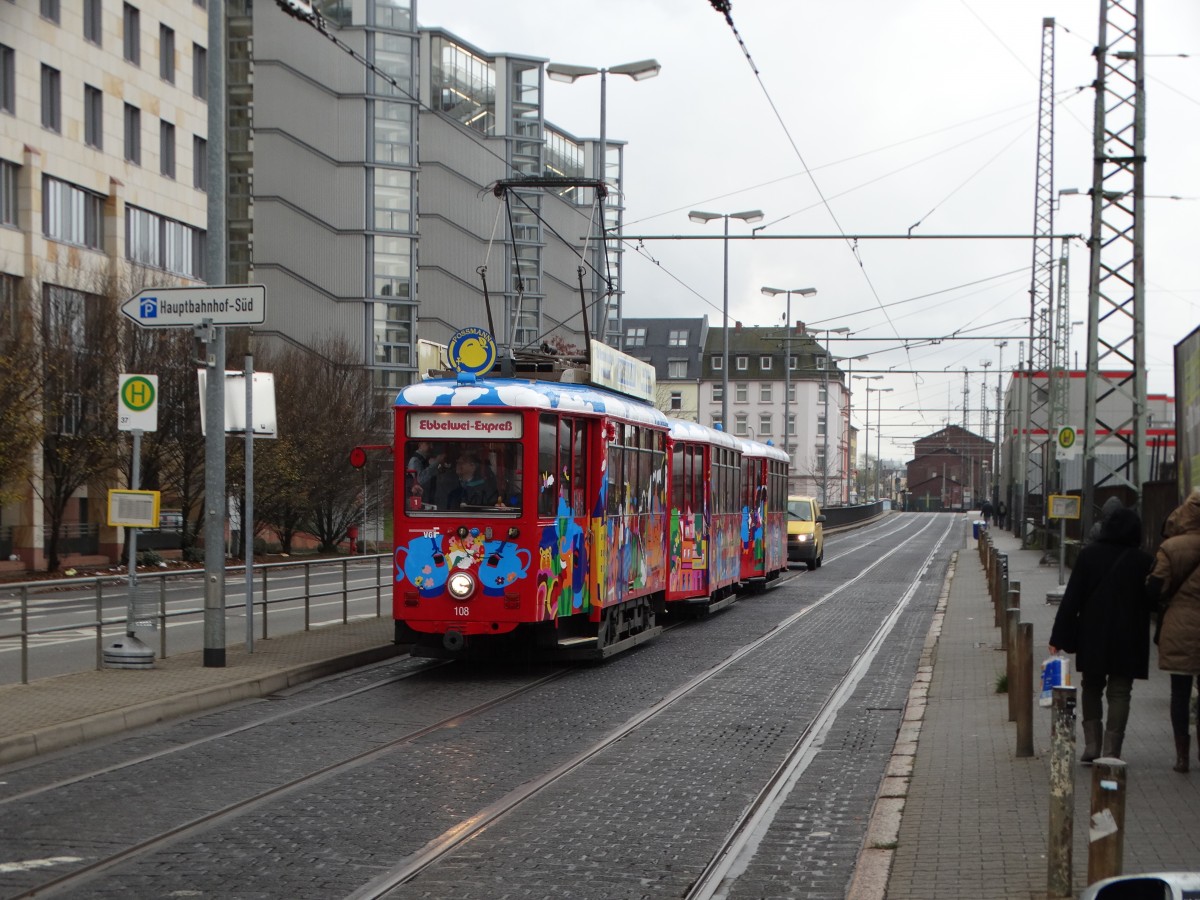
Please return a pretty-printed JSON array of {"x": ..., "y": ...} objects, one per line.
[{"x": 148, "y": 309}]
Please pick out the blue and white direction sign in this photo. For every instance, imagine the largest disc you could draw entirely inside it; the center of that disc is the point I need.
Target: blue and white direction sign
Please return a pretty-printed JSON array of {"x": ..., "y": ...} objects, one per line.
[{"x": 180, "y": 307}]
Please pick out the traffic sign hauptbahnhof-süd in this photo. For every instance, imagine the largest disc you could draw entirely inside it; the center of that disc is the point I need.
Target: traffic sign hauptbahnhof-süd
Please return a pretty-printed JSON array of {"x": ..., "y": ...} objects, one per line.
[{"x": 179, "y": 307}]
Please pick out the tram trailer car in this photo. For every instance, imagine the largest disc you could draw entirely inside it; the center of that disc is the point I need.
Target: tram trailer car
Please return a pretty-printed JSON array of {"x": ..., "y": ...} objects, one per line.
[{"x": 563, "y": 517}]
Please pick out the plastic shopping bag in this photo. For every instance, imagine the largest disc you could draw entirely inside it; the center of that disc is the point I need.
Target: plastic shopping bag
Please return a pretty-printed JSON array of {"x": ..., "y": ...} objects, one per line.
[{"x": 1056, "y": 672}]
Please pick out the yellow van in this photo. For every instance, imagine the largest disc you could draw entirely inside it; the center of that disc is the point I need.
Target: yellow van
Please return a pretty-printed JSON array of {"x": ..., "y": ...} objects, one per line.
[{"x": 805, "y": 531}]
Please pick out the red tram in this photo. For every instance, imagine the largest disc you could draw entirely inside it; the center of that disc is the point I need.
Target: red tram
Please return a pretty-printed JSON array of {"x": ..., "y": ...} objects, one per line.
[{"x": 568, "y": 516}]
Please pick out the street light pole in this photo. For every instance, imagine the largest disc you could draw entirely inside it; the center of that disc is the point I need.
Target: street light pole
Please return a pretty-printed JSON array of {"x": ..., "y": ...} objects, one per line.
[
  {"x": 787, "y": 363},
  {"x": 825, "y": 385},
  {"x": 638, "y": 71},
  {"x": 751, "y": 215},
  {"x": 867, "y": 440},
  {"x": 878, "y": 436}
]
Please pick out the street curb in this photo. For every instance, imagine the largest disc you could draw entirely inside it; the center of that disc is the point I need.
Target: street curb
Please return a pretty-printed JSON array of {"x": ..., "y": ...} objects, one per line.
[
  {"x": 18, "y": 747},
  {"x": 874, "y": 864}
]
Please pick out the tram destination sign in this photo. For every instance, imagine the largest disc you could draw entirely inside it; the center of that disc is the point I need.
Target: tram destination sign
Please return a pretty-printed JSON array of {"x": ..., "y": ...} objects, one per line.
[{"x": 180, "y": 307}]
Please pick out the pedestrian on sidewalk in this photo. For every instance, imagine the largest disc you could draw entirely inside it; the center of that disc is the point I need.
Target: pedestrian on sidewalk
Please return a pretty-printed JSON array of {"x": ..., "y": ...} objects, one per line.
[
  {"x": 1174, "y": 584},
  {"x": 1001, "y": 514},
  {"x": 986, "y": 511},
  {"x": 1105, "y": 621}
]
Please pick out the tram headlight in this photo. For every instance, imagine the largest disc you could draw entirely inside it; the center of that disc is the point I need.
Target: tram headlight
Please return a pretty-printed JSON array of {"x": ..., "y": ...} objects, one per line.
[{"x": 460, "y": 585}]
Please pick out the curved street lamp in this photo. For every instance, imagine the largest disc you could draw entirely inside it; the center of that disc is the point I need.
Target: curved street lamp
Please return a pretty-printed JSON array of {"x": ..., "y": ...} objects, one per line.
[
  {"x": 750, "y": 215},
  {"x": 638, "y": 71}
]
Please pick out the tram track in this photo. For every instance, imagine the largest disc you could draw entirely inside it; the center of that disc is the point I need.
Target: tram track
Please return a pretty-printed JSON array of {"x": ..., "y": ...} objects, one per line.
[
  {"x": 453, "y": 839},
  {"x": 81, "y": 875}
]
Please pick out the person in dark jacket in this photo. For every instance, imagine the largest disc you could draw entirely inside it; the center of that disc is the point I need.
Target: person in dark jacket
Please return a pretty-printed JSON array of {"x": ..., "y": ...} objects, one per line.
[{"x": 1105, "y": 621}]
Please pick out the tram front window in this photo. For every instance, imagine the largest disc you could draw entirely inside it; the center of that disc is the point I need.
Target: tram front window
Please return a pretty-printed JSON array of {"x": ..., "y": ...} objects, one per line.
[{"x": 476, "y": 476}]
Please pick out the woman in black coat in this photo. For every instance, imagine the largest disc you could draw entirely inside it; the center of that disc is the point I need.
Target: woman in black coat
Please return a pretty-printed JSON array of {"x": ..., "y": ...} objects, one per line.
[{"x": 1105, "y": 621}]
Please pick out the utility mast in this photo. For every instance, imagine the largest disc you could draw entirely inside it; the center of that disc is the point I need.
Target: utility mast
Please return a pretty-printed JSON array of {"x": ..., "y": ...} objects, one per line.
[
  {"x": 1035, "y": 439},
  {"x": 1115, "y": 397}
]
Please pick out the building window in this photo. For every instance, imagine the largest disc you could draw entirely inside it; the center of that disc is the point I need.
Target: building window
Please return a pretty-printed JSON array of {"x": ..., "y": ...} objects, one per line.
[
  {"x": 764, "y": 425},
  {"x": 133, "y": 36},
  {"x": 792, "y": 363},
  {"x": 8, "y": 192},
  {"x": 677, "y": 368},
  {"x": 764, "y": 393},
  {"x": 821, "y": 362},
  {"x": 718, "y": 363},
  {"x": 166, "y": 148},
  {"x": 393, "y": 200},
  {"x": 199, "y": 163},
  {"x": 743, "y": 363},
  {"x": 393, "y": 133},
  {"x": 394, "y": 15},
  {"x": 676, "y": 401},
  {"x": 393, "y": 334},
  {"x": 740, "y": 426},
  {"x": 162, "y": 243},
  {"x": 199, "y": 72},
  {"x": 51, "y": 99},
  {"x": 821, "y": 425},
  {"x": 764, "y": 363},
  {"x": 741, "y": 393},
  {"x": 791, "y": 393},
  {"x": 93, "y": 27},
  {"x": 93, "y": 117},
  {"x": 50, "y": 11},
  {"x": 8, "y": 79},
  {"x": 133, "y": 134},
  {"x": 718, "y": 393},
  {"x": 635, "y": 337},
  {"x": 166, "y": 53},
  {"x": 72, "y": 215},
  {"x": 820, "y": 459},
  {"x": 677, "y": 338},
  {"x": 392, "y": 267},
  {"x": 791, "y": 425}
]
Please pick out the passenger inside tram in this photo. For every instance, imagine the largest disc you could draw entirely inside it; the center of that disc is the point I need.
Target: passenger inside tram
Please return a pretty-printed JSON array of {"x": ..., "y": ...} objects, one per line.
[{"x": 462, "y": 475}]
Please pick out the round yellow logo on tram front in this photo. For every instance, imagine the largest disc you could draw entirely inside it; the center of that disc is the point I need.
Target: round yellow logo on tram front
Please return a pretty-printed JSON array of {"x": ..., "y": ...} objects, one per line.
[
  {"x": 137, "y": 393},
  {"x": 472, "y": 350}
]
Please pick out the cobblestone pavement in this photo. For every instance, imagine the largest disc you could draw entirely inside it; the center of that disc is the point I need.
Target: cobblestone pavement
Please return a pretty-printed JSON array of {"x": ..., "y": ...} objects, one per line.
[{"x": 975, "y": 820}]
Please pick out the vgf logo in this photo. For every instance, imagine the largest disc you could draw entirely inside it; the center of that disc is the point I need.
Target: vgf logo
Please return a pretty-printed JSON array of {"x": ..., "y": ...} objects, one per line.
[{"x": 148, "y": 308}]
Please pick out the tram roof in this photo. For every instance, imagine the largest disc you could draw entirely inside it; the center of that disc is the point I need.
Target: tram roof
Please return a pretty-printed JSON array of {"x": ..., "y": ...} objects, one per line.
[
  {"x": 525, "y": 394},
  {"x": 757, "y": 448},
  {"x": 683, "y": 430}
]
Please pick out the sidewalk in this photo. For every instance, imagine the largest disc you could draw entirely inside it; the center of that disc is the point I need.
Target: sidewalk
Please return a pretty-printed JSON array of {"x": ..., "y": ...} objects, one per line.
[
  {"x": 974, "y": 819},
  {"x": 52, "y": 713}
]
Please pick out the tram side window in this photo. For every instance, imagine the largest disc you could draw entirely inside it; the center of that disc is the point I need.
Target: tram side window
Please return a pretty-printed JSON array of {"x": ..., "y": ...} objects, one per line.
[
  {"x": 579, "y": 468},
  {"x": 548, "y": 472},
  {"x": 679, "y": 455}
]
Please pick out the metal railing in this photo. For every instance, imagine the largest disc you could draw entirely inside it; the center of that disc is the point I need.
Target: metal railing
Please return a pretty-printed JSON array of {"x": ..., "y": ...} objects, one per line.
[{"x": 36, "y": 598}]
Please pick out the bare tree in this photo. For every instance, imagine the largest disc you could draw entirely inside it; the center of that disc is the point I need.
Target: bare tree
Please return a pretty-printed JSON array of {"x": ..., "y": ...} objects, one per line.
[
  {"x": 79, "y": 331},
  {"x": 20, "y": 392},
  {"x": 326, "y": 406}
]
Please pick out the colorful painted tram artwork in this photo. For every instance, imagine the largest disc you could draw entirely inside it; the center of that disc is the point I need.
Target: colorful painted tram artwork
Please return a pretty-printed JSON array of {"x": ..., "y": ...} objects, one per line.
[{"x": 569, "y": 518}]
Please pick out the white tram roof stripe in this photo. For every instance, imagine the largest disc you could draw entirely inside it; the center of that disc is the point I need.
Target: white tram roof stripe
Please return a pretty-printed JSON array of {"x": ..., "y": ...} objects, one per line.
[
  {"x": 757, "y": 448},
  {"x": 510, "y": 392},
  {"x": 683, "y": 430}
]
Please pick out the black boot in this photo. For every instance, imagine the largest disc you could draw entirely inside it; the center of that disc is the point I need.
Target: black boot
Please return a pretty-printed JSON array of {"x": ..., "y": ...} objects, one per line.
[
  {"x": 1183, "y": 744},
  {"x": 1112, "y": 743},
  {"x": 1093, "y": 733}
]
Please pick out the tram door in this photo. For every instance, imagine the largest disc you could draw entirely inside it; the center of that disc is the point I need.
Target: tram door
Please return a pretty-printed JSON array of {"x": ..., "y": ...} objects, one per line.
[{"x": 564, "y": 580}]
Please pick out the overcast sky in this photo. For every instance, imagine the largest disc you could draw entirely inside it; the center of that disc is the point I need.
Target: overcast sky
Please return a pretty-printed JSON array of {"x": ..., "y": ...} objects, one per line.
[{"x": 896, "y": 112}]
